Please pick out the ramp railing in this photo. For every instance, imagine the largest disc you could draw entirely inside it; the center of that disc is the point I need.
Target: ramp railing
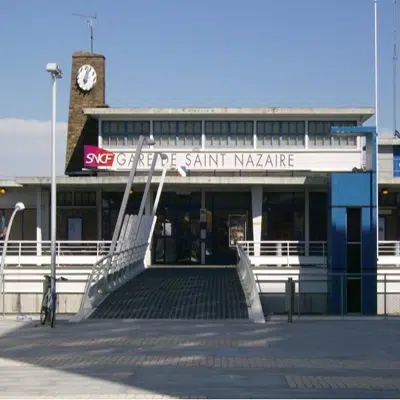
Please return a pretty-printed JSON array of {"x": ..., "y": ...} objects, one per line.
[
  {"x": 131, "y": 239},
  {"x": 249, "y": 286}
]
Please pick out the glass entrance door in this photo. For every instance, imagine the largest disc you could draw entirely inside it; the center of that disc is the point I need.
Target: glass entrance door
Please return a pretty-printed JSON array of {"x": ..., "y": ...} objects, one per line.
[
  {"x": 176, "y": 239},
  {"x": 221, "y": 207}
]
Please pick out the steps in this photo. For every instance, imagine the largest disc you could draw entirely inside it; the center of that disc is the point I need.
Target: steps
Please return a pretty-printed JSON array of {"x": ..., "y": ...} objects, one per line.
[{"x": 178, "y": 293}]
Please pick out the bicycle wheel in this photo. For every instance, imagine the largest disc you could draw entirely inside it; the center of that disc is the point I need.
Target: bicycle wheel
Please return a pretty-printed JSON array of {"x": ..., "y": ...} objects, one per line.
[
  {"x": 53, "y": 312},
  {"x": 44, "y": 311}
]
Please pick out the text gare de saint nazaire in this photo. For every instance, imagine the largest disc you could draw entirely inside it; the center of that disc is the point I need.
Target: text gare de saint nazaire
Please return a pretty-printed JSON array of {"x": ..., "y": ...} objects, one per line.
[{"x": 212, "y": 160}]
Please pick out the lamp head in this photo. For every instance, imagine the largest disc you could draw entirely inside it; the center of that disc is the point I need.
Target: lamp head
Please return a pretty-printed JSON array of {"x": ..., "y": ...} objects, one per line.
[
  {"x": 163, "y": 156},
  {"x": 54, "y": 69},
  {"x": 385, "y": 191},
  {"x": 19, "y": 206},
  {"x": 2, "y": 191},
  {"x": 150, "y": 142}
]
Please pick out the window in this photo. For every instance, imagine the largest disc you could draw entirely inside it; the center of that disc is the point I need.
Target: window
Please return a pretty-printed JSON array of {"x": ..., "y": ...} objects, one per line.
[
  {"x": 65, "y": 199},
  {"x": 189, "y": 133},
  {"x": 229, "y": 133},
  {"x": 177, "y": 133},
  {"x": 123, "y": 133},
  {"x": 281, "y": 133},
  {"x": 283, "y": 216},
  {"x": 319, "y": 135},
  {"x": 134, "y": 129}
]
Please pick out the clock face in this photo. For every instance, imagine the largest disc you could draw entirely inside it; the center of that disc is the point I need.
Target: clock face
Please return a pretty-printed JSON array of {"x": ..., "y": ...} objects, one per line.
[{"x": 86, "y": 78}]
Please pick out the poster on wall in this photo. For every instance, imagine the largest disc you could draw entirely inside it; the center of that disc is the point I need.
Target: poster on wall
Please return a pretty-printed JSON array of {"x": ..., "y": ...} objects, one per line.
[
  {"x": 75, "y": 229},
  {"x": 237, "y": 228}
]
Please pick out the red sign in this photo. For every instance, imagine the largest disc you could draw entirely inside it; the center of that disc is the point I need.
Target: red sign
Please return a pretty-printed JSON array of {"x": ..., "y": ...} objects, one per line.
[{"x": 95, "y": 157}]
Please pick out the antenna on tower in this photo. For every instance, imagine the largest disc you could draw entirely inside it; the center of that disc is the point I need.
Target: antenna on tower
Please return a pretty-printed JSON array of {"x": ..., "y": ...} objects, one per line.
[
  {"x": 394, "y": 70},
  {"x": 89, "y": 21}
]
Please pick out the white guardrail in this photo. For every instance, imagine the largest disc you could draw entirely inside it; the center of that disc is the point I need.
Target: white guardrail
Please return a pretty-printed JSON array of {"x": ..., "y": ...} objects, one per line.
[
  {"x": 85, "y": 253},
  {"x": 293, "y": 253},
  {"x": 69, "y": 253},
  {"x": 249, "y": 285}
]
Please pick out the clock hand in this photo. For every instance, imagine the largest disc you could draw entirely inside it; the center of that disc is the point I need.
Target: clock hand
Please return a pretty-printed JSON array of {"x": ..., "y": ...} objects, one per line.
[{"x": 85, "y": 79}]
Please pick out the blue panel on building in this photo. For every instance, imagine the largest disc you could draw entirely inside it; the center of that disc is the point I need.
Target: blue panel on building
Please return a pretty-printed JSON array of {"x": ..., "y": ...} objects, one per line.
[
  {"x": 396, "y": 161},
  {"x": 350, "y": 189}
]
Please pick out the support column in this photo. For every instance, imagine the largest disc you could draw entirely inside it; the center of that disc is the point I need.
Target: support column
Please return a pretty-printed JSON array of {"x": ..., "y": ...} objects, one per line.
[
  {"x": 256, "y": 206},
  {"x": 39, "y": 221},
  {"x": 99, "y": 206},
  {"x": 203, "y": 232},
  {"x": 147, "y": 211},
  {"x": 307, "y": 220}
]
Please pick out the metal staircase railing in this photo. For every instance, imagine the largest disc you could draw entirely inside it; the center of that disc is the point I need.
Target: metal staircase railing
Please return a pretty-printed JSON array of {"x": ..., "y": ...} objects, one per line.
[
  {"x": 126, "y": 257},
  {"x": 249, "y": 286}
]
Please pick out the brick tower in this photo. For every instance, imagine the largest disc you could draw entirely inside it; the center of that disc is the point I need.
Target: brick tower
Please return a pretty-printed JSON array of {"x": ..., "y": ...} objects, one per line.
[{"x": 82, "y": 129}]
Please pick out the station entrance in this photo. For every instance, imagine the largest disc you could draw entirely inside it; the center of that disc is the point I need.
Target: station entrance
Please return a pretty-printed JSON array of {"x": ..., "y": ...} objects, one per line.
[{"x": 188, "y": 234}]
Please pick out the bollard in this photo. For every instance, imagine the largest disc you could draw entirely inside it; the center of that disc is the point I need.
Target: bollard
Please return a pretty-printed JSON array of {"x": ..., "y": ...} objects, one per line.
[{"x": 290, "y": 298}]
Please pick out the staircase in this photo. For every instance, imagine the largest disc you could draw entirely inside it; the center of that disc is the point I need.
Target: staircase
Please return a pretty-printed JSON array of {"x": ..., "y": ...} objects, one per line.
[{"x": 178, "y": 293}]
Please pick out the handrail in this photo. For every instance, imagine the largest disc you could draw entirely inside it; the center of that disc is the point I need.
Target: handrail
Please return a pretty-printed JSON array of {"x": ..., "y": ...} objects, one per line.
[{"x": 249, "y": 286}]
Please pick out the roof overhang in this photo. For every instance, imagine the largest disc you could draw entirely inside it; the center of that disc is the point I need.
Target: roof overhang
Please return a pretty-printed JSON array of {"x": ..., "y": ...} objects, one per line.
[{"x": 362, "y": 114}]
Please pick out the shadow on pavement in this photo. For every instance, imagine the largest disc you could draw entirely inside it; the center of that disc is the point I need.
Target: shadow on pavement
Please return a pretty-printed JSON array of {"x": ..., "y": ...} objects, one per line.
[{"x": 201, "y": 359}]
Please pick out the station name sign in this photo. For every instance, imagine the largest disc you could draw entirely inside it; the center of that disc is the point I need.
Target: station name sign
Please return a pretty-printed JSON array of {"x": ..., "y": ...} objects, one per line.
[
  {"x": 95, "y": 157},
  {"x": 270, "y": 160}
]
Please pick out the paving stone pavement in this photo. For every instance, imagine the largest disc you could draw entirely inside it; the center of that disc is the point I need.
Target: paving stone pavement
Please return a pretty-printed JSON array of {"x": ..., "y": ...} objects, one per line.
[{"x": 127, "y": 359}]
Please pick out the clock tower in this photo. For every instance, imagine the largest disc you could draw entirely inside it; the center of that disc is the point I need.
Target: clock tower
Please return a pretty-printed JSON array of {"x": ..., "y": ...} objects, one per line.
[{"x": 87, "y": 90}]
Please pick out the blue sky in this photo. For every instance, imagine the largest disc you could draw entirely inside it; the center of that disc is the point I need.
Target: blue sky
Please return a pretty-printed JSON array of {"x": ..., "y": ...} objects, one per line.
[{"x": 200, "y": 53}]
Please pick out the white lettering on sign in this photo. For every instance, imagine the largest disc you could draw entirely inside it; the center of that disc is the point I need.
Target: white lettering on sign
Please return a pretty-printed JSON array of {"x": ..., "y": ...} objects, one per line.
[{"x": 335, "y": 160}]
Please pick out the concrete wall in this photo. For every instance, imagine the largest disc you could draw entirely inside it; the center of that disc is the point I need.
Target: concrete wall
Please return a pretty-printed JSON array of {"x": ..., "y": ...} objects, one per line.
[{"x": 385, "y": 163}]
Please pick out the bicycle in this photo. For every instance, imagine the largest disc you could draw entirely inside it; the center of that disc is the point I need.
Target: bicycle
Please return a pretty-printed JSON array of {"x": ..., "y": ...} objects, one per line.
[{"x": 49, "y": 302}]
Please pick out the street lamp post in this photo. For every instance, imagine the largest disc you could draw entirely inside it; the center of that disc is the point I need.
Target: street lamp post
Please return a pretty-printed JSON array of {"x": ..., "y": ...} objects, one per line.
[
  {"x": 55, "y": 73},
  {"x": 18, "y": 207}
]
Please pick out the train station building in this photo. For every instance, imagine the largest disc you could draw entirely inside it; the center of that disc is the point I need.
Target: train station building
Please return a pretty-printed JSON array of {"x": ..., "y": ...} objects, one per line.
[{"x": 235, "y": 174}]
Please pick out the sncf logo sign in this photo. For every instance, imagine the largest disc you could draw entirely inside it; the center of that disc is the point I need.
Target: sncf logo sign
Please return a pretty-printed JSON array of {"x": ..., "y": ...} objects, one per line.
[{"x": 95, "y": 157}]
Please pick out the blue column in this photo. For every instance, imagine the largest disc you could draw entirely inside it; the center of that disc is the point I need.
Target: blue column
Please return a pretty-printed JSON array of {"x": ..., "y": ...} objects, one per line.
[{"x": 352, "y": 189}]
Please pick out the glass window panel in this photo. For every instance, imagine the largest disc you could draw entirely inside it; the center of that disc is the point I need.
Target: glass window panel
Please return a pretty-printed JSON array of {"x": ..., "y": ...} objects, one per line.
[
  {"x": 276, "y": 127},
  {"x": 292, "y": 127},
  {"x": 224, "y": 127},
  {"x": 197, "y": 127},
  {"x": 172, "y": 127},
  {"x": 208, "y": 127},
  {"x": 301, "y": 127},
  {"x": 248, "y": 127},
  {"x": 113, "y": 141},
  {"x": 261, "y": 128},
  {"x": 105, "y": 127},
  {"x": 224, "y": 140},
  {"x": 285, "y": 128},
  {"x": 156, "y": 127},
  {"x": 164, "y": 127},
  {"x": 130, "y": 127},
  {"x": 234, "y": 128},
  {"x": 190, "y": 128},
  {"x": 182, "y": 126}
]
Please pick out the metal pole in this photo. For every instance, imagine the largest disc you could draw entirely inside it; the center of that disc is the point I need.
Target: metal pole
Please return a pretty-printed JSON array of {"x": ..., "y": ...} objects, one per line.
[
  {"x": 376, "y": 122},
  {"x": 53, "y": 186},
  {"x": 394, "y": 69},
  {"x": 147, "y": 187},
  {"x": 3, "y": 255},
  {"x": 125, "y": 198},
  {"x": 159, "y": 190}
]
